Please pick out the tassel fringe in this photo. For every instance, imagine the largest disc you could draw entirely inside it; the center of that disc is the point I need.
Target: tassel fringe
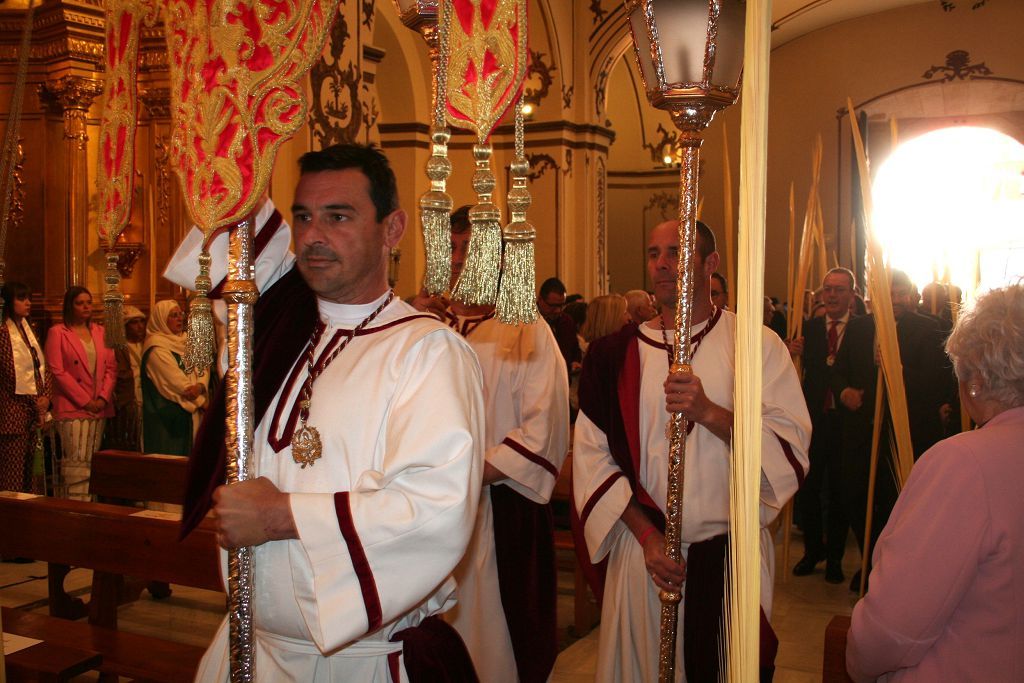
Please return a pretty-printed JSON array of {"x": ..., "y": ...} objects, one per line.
[
  {"x": 200, "y": 342},
  {"x": 478, "y": 284},
  {"x": 516, "y": 300},
  {"x": 435, "y": 215},
  {"x": 113, "y": 306}
]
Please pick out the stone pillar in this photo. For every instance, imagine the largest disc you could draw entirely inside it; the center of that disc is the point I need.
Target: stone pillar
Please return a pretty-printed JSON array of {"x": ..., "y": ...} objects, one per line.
[{"x": 72, "y": 96}]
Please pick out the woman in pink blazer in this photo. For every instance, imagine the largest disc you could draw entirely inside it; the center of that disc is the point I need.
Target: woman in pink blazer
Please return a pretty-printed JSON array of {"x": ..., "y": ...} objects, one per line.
[{"x": 84, "y": 372}]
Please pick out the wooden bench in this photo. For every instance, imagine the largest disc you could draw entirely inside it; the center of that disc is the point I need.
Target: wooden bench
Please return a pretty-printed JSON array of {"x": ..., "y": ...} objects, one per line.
[
  {"x": 134, "y": 477},
  {"x": 123, "y": 654},
  {"x": 113, "y": 541},
  {"x": 833, "y": 666}
]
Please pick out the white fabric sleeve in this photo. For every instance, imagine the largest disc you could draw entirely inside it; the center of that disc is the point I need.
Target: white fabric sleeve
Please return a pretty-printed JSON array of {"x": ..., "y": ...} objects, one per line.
[
  {"x": 531, "y": 454},
  {"x": 274, "y": 261},
  {"x": 408, "y": 524},
  {"x": 785, "y": 418},
  {"x": 169, "y": 380},
  {"x": 600, "y": 491}
]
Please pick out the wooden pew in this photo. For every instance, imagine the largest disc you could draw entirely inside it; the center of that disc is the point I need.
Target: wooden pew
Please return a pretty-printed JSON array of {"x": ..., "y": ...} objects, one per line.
[
  {"x": 111, "y": 540},
  {"x": 134, "y": 477},
  {"x": 833, "y": 669},
  {"x": 123, "y": 654}
]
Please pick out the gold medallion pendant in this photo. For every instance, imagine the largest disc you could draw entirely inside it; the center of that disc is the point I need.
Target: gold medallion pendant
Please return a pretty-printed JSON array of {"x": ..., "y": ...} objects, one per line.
[{"x": 306, "y": 446}]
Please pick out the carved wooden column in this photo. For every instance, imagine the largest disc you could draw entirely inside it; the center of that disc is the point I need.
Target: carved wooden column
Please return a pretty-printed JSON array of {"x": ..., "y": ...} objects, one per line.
[{"x": 72, "y": 96}]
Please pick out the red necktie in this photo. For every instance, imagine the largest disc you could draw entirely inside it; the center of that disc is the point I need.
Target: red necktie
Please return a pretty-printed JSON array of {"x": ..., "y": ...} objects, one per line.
[{"x": 833, "y": 346}]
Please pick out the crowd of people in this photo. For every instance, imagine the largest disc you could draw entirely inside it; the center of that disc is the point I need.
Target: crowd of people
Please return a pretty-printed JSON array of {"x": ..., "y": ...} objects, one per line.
[
  {"x": 67, "y": 397},
  {"x": 408, "y": 452}
]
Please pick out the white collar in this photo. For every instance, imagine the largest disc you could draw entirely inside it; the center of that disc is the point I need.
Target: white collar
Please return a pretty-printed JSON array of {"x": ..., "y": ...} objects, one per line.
[{"x": 347, "y": 315}]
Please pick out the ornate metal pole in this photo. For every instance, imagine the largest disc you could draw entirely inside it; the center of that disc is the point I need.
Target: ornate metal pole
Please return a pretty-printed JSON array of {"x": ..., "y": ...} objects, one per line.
[
  {"x": 240, "y": 293},
  {"x": 690, "y": 57}
]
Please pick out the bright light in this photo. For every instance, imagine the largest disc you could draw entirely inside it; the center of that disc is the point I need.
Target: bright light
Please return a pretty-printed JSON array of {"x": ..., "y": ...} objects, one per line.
[
  {"x": 527, "y": 108},
  {"x": 953, "y": 199}
]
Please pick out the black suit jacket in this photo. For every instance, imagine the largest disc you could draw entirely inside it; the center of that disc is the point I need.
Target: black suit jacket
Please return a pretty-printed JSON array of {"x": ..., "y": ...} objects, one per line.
[
  {"x": 926, "y": 374},
  {"x": 815, "y": 361}
]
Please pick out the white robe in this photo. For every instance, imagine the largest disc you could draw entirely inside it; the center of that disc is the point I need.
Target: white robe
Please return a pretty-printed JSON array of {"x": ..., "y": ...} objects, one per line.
[
  {"x": 628, "y": 641},
  {"x": 384, "y": 516},
  {"x": 526, "y": 395}
]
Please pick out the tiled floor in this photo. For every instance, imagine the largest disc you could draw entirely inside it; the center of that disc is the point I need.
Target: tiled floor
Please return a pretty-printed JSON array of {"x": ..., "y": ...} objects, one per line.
[{"x": 803, "y": 606}]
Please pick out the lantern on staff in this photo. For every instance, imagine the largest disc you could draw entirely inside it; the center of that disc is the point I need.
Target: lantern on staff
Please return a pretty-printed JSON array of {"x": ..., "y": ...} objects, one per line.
[{"x": 690, "y": 54}]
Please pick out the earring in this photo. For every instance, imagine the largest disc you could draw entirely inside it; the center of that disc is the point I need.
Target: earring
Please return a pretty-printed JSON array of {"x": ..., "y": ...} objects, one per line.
[{"x": 973, "y": 391}]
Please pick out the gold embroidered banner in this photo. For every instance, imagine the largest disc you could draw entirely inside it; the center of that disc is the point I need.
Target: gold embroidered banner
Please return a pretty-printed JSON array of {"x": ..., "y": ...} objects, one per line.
[
  {"x": 236, "y": 67},
  {"x": 487, "y": 61}
]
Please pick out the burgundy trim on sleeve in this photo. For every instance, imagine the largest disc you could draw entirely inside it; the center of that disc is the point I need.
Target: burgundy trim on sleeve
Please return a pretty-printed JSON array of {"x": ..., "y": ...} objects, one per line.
[
  {"x": 793, "y": 462},
  {"x": 393, "y": 668},
  {"x": 371, "y": 599},
  {"x": 530, "y": 455},
  {"x": 592, "y": 501}
]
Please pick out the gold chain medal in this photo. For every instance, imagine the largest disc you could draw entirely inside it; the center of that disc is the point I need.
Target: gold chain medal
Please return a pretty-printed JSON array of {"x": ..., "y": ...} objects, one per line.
[{"x": 307, "y": 447}]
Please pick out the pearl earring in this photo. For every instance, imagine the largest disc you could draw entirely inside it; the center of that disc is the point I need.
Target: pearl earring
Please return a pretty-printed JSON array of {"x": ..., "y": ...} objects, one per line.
[{"x": 973, "y": 391}]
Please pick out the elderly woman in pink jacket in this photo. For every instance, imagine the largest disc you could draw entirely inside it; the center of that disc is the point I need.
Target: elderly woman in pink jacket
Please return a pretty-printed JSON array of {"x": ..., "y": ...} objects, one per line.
[
  {"x": 84, "y": 372},
  {"x": 947, "y": 591}
]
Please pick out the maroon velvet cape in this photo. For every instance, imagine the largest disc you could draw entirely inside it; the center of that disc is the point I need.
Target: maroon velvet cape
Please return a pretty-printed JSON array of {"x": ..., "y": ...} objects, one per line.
[{"x": 609, "y": 396}]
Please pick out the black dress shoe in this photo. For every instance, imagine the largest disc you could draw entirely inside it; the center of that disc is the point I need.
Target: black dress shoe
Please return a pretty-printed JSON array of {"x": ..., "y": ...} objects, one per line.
[
  {"x": 806, "y": 565},
  {"x": 834, "y": 573}
]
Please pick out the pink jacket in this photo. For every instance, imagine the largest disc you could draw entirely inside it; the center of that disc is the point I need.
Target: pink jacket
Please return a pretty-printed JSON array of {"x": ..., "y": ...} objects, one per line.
[
  {"x": 73, "y": 385},
  {"x": 946, "y": 601}
]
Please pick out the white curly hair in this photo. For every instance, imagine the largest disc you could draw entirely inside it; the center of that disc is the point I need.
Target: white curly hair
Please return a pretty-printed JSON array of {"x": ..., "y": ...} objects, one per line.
[{"x": 987, "y": 344}]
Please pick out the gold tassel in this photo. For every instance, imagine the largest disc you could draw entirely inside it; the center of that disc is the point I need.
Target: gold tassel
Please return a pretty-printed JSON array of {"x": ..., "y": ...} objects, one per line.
[
  {"x": 436, "y": 203},
  {"x": 435, "y": 216},
  {"x": 478, "y": 284},
  {"x": 199, "y": 345},
  {"x": 516, "y": 300},
  {"x": 113, "y": 305}
]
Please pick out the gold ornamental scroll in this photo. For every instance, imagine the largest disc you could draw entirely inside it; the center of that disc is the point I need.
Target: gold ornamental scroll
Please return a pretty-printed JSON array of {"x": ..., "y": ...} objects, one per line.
[
  {"x": 487, "y": 43},
  {"x": 116, "y": 169},
  {"x": 236, "y": 95}
]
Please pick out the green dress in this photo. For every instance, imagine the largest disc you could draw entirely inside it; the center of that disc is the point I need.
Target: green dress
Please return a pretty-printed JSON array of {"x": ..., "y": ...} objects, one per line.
[{"x": 166, "y": 426}]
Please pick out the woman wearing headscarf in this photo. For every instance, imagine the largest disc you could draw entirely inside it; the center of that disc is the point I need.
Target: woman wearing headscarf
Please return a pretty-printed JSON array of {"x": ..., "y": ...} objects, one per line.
[
  {"x": 172, "y": 399},
  {"x": 947, "y": 592},
  {"x": 24, "y": 389},
  {"x": 84, "y": 371},
  {"x": 124, "y": 431}
]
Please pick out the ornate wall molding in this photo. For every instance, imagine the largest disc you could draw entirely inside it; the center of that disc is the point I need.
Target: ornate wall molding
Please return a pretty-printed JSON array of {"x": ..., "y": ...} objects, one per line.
[
  {"x": 336, "y": 114},
  {"x": 567, "y": 91},
  {"x": 958, "y": 67},
  {"x": 539, "y": 72},
  {"x": 668, "y": 139},
  {"x": 539, "y": 165},
  {"x": 71, "y": 96},
  {"x": 663, "y": 202},
  {"x": 595, "y": 9},
  {"x": 157, "y": 102}
]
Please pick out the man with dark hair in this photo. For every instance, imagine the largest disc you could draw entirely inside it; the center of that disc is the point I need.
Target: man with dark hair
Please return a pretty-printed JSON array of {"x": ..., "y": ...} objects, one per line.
[
  {"x": 507, "y": 581},
  {"x": 354, "y": 539},
  {"x": 818, "y": 346},
  {"x": 551, "y": 304},
  {"x": 620, "y": 465}
]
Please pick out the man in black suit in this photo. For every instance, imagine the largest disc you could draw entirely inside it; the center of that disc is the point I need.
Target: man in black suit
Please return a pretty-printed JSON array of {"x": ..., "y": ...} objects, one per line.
[
  {"x": 928, "y": 381},
  {"x": 821, "y": 497}
]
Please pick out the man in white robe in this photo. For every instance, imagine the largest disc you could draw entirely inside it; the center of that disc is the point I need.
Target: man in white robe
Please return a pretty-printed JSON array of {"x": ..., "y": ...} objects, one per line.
[
  {"x": 620, "y": 467},
  {"x": 352, "y": 553},
  {"x": 509, "y": 568}
]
